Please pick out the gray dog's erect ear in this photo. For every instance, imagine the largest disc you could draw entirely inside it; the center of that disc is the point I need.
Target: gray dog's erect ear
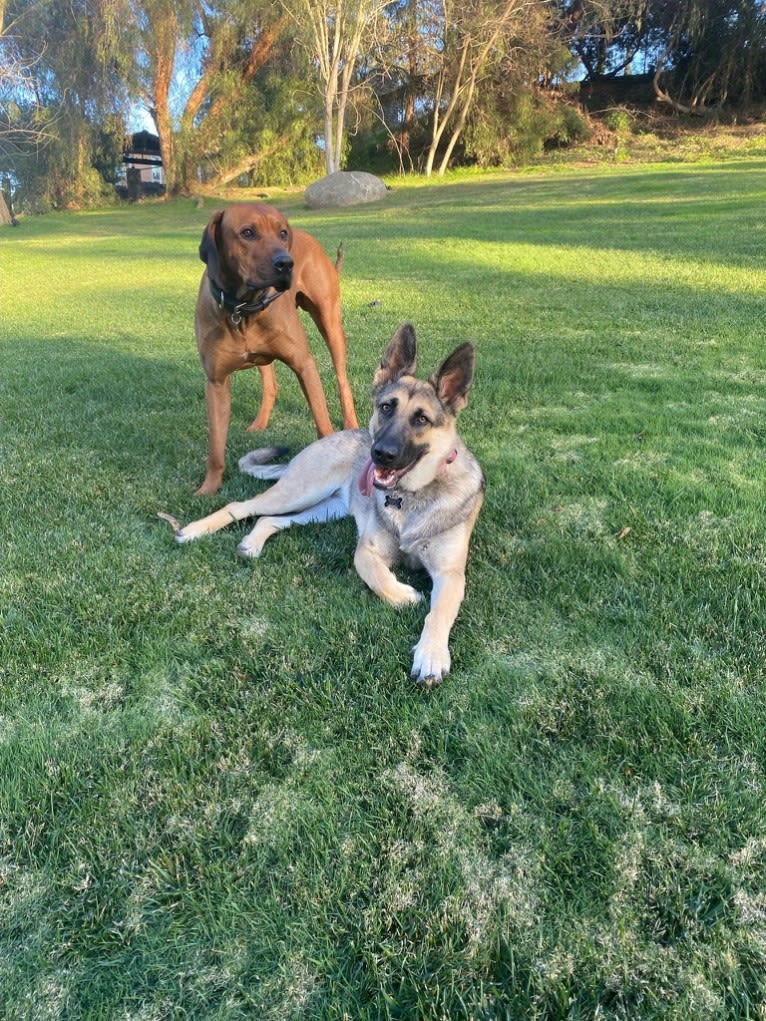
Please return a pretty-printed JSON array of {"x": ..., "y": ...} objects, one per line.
[
  {"x": 454, "y": 377},
  {"x": 208, "y": 246},
  {"x": 399, "y": 357}
]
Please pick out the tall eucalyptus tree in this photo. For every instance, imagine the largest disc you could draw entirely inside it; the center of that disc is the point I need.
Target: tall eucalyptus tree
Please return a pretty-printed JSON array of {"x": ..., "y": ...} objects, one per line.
[
  {"x": 74, "y": 97},
  {"x": 337, "y": 33},
  {"x": 478, "y": 35}
]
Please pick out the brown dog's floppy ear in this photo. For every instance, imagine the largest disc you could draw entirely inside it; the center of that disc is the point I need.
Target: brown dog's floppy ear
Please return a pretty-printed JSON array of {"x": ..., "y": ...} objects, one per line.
[
  {"x": 208, "y": 246},
  {"x": 398, "y": 358},
  {"x": 454, "y": 377}
]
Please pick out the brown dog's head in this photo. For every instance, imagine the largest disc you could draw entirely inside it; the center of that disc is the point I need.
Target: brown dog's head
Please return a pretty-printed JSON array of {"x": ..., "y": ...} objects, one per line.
[{"x": 246, "y": 248}]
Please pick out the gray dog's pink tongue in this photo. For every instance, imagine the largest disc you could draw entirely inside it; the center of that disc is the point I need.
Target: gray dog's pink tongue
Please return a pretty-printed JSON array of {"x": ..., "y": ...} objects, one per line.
[{"x": 365, "y": 478}]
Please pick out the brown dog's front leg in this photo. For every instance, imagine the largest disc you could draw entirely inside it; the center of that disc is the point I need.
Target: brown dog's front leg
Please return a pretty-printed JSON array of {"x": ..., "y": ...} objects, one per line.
[
  {"x": 308, "y": 377},
  {"x": 328, "y": 322},
  {"x": 270, "y": 389},
  {"x": 218, "y": 401}
]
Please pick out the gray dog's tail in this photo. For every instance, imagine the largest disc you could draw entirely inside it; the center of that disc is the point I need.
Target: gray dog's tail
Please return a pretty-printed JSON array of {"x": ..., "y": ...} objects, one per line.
[{"x": 257, "y": 463}]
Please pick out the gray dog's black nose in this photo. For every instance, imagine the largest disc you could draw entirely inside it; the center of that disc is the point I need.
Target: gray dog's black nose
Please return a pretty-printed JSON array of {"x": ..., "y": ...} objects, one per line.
[{"x": 384, "y": 454}]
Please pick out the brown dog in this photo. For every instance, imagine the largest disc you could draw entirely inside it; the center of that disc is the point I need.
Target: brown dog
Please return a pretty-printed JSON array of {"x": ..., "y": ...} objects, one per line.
[{"x": 259, "y": 272}]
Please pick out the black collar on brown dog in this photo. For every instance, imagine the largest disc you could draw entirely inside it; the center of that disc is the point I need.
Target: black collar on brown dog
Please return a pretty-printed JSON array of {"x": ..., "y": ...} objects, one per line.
[{"x": 239, "y": 310}]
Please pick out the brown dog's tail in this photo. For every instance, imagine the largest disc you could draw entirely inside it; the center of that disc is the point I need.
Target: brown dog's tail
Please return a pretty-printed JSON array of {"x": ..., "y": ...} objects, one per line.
[{"x": 339, "y": 259}]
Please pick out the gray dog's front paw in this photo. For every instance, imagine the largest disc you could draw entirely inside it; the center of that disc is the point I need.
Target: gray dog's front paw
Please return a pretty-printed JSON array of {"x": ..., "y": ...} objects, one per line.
[{"x": 430, "y": 664}]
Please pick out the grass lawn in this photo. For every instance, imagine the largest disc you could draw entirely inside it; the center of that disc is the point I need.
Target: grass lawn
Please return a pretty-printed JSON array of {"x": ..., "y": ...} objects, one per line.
[{"x": 221, "y": 796}]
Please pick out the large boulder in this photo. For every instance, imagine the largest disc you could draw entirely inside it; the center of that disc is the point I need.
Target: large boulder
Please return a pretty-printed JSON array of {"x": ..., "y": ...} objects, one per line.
[{"x": 345, "y": 188}]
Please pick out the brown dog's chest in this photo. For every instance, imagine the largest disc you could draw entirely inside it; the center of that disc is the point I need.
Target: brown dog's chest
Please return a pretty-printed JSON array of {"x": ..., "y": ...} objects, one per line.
[{"x": 226, "y": 347}]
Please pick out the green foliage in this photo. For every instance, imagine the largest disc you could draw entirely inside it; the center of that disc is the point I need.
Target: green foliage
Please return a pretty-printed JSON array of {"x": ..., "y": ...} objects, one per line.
[
  {"x": 718, "y": 55},
  {"x": 506, "y": 137},
  {"x": 499, "y": 133},
  {"x": 108, "y": 147},
  {"x": 265, "y": 125},
  {"x": 620, "y": 121},
  {"x": 72, "y": 169},
  {"x": 71, "y": 69},
  {"x": 72, "y": 63},
  {"x": 291, "y": 158},
  {"x": 291, "y": 153},
  {"x": 222, "y": 796}
]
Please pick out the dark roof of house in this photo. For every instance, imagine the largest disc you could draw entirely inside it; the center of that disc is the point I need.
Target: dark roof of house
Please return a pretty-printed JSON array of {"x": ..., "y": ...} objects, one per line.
[{"x": 144, "y": 141}]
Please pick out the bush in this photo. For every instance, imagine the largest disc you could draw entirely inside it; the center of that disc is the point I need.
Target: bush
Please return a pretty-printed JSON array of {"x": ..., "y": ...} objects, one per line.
[
  {"x": 621, "y": 122},
  {"x": 535, "y": 122}
]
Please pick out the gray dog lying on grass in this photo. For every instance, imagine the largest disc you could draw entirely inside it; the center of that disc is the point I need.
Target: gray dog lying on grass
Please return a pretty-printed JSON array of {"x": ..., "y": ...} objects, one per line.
[{"x": 413, "y": 487}]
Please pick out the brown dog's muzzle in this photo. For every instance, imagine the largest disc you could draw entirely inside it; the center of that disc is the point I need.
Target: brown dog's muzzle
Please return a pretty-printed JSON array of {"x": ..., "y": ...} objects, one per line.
[
  {"x": 282, "y": 264},
  {"x": 275, "y": 270}
]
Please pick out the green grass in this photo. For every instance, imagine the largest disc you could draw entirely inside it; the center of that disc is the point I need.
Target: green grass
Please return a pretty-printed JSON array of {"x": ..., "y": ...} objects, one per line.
[{"x": 221, "y": 796}]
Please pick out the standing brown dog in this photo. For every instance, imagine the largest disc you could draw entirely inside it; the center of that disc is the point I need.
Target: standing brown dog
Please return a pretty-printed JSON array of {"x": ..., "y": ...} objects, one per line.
[{"x": 259, "y": 272}]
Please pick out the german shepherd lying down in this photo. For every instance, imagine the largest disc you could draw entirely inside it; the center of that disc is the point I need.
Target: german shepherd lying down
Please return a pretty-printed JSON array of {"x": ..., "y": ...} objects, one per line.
[{"x": 412, "y": 485}]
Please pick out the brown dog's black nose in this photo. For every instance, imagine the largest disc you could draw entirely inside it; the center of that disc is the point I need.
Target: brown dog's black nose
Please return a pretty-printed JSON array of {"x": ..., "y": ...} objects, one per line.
[{"x": 283, "y": 264}]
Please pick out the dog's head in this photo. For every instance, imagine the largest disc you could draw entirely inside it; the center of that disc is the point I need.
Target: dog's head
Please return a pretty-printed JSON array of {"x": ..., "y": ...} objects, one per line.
[
  {"x": 413, "y": 423},
  {"x": 247, "y": 248}
]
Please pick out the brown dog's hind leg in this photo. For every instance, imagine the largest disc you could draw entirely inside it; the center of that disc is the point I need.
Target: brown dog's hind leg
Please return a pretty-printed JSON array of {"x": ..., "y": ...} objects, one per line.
[
  {"x": 270, "y": 389},
  {"x": 344, "y": 390}
]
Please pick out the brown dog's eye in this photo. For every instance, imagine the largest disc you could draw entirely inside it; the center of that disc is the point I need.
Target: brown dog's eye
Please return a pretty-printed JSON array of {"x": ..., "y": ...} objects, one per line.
[
  {"x": 284, "y": 235},
  {"x": 248, "y": 234}
]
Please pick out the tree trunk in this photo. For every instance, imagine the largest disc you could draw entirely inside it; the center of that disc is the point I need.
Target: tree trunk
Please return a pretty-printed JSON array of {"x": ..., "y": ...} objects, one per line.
[
  {"x": 470, "y": 67},
  {"x": 5, "y": 213},
  {"x": 245, "y": 165},
  {"x": 329, "y": 136},
  {"x": 458, "y": 127},
  {"x": 662, "y": 96},
  {"x": 161, "y": 52},
  {"x": 440, "y": 122},
  {"x": 161, "y": 115}
]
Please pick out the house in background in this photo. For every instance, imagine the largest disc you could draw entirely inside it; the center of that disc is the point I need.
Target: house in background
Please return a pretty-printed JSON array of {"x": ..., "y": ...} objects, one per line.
[{"x": 141, "y": 172}]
